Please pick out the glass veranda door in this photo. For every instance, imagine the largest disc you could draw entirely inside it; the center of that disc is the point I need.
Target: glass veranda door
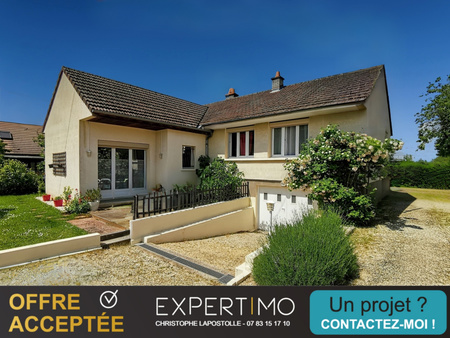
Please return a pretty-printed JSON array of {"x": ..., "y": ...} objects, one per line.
[{"x": 121, "y": 172}]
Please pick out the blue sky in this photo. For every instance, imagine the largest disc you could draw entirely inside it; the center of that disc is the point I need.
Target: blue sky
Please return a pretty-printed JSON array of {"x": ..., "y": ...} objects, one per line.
[{"x": 197, "y": 50}]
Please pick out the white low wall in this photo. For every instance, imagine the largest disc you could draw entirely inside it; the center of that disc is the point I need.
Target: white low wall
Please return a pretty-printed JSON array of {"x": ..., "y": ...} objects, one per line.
[
  {"x": 38, "y": 251},
  {"x": 143, "y": 227},
  {"x": 237, "y": 221}
]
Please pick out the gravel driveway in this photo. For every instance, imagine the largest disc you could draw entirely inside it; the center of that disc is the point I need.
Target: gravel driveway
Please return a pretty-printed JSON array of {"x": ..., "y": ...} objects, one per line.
[
  {"x": 123, "y": 264},
  {"x": 410, "y": 245}
]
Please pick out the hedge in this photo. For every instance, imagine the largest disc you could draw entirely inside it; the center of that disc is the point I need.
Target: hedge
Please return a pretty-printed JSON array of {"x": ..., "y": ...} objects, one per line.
[{"x": 431, "y": 175}]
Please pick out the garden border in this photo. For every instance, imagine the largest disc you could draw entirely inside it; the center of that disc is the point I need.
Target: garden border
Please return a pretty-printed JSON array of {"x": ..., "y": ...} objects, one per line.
[{"x": 34, "y": 252}]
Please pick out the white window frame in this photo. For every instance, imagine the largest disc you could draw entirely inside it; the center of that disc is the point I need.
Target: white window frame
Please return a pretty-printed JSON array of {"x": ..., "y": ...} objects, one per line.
[
  {"x": 192, "y": 157},
  {"x": 114, "y": 192},
  {"x": 238, "y": 142},
  {"x": 284, "y": 140}
]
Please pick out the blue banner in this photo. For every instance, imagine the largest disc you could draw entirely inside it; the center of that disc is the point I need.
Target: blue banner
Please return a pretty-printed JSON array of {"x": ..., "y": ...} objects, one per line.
[{"x": 381, "y": 312}]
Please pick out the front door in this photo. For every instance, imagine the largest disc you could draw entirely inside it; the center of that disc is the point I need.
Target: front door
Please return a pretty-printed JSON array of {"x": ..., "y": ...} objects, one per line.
[{"x": 121, "y": 172}]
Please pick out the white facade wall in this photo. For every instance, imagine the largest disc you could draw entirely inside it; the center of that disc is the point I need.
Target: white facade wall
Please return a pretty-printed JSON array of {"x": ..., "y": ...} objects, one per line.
[
  {"x": 62, "y": 134},
  {"x": 168, "y": 159}
]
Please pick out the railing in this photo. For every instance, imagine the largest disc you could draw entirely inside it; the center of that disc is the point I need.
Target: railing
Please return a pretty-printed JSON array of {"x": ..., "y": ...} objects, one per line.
[{"x": 161, "y": 202}]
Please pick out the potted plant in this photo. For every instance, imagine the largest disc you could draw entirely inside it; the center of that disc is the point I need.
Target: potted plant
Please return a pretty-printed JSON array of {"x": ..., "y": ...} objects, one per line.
[
  {"x": 58, "y": 201},
  {"x": 93, "y": 197},
  {"x": 46, "y": 197},
  {"x": 67, "y": 194}
]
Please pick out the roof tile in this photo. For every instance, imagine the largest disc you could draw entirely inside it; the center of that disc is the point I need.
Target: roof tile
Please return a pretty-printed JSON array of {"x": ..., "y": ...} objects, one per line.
[
  {"x": 22, "y": 138},
  {"x": 105, "y": 95},
  {"x": 344, "y": 88}
]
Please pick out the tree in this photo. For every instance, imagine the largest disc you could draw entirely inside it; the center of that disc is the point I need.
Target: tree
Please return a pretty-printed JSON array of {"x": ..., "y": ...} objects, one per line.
[
  {"x": 3, "y": 150},
  {"x": 40, "y": 140},
  {"x": 434, "y": 118},
  {"x": 336, "y": 168}
]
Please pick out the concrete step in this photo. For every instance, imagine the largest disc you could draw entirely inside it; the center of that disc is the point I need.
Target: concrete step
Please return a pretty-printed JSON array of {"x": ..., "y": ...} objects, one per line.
[{"x": 115, "y": 240}]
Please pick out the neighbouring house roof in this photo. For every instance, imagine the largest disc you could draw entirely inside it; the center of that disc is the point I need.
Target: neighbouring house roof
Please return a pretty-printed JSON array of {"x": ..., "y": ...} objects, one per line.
[
  {"x": 329, "y": 91},
  {"x": 119, "y": 100},
  {"x": 19, "y": 137}
]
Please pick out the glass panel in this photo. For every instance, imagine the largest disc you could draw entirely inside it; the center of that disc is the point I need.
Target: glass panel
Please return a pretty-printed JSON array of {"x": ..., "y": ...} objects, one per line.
[
  {"x": 277, "y": 141},
  {"x": 188, "y": 155},
  {"x": 137, "y": 168},
  {"x": 233, "y": 150},
  {"x": 242, "y": 144},
  {"x": 122, "y": 168},
  {"x": 104, "y": 168},
  {"x": 303, "y": 135},
  {"x": 251, "y": 143},
  {"x": 289, "y": 148}
]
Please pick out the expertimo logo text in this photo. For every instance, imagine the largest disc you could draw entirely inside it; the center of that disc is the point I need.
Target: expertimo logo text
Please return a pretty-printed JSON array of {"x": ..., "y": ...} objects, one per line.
[{"x": 219, "y": 306}]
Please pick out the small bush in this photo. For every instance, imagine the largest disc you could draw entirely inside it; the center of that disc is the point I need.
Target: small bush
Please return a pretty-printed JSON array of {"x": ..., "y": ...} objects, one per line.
[
  {"x": 77, "y": 206},
  {"x": 17, "y": 179},
  {"x": 311, "y": 251}
]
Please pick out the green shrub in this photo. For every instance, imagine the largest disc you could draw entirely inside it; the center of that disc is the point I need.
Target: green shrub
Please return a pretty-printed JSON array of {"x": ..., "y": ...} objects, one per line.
[
  {"x": 17, "y": 179},
  {"x": 313, "y": 250},
  {"x": 431, "y": 175},
  {"x": 220, "y": 174},
  {"x": 77, "y": 206}
]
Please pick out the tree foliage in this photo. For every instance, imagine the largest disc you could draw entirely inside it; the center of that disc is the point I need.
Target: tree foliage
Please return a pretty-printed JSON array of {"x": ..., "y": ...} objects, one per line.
[
  {"x": 40, "y": 140},
  {"x": 434, "y": 118},
  {"x": 337, "y": 167},
  {"x": 3, "y": 150}
]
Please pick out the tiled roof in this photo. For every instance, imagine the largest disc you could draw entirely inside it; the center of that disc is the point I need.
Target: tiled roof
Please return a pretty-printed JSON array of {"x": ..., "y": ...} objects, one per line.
[
  {"x": 339, "y": 89},
  {"x": 22, "y": 138},
  {"x": 103, "y": 95}
]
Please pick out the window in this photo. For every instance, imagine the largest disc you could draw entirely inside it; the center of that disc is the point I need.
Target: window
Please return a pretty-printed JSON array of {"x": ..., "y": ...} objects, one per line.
[
  {"x": 121, "y": 169},
  {"x": 138, "y": 168},
  {"x": 294, "y": 199},
  {"x": 188, "y": 157},
  {"x": 59, "y": 164},
  {"x": 241, "y": 144},
  {"x": 287, "y": 141}
]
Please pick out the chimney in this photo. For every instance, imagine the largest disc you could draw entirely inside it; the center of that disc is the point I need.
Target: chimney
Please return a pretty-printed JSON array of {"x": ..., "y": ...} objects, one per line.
[
  {"x": 277, "y": 82},
  {"x": 231, "y": 94}
]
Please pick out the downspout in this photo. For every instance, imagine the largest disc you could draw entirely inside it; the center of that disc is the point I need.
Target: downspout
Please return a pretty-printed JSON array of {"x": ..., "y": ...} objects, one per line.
[{"x": 208, "y": 136}]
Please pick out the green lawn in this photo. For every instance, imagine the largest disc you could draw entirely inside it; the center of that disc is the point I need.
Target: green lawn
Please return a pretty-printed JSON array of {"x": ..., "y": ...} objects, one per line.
[{"x": 24, "y": 220}]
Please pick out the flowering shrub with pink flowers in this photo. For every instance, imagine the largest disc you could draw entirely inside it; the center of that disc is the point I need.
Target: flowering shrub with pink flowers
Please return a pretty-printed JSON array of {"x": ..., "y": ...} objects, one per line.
[{"x": 337, "y": 167}]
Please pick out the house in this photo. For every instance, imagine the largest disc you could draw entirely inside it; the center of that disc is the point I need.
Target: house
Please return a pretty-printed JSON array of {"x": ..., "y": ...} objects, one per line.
[
  {"x": 20, "y": 145},
  {"x": 127, "y": 140}
]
